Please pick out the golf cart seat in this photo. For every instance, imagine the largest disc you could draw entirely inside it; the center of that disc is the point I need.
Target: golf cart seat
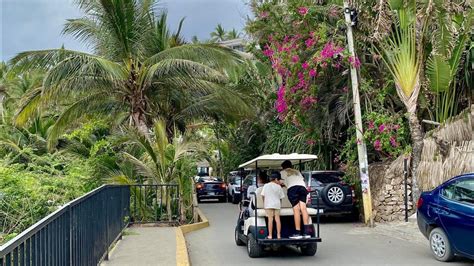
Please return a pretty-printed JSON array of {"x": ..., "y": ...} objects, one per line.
[{"x": 286, "y": 208}]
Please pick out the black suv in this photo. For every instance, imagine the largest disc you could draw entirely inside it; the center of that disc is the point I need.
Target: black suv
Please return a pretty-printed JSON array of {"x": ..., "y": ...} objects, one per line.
[{"x": 335, "y": 196}]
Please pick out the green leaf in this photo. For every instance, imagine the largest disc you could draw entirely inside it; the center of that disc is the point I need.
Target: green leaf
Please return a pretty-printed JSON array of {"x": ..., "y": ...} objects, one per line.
[{"x": 438, "y": 73}]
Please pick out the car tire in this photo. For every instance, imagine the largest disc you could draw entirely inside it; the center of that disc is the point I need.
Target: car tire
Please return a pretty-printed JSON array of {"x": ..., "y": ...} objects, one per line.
[
  {"x": 333, "y": 194},
  {"x": 238, "y": 241},
  {"x": 253, "y": 249},
  {"x": 309, "y": 250},
  {"x": 440, "y": 246}
]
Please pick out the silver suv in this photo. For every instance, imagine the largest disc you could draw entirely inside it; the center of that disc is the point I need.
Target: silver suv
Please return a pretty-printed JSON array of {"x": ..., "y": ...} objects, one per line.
[{"x": 233, "y": 188}]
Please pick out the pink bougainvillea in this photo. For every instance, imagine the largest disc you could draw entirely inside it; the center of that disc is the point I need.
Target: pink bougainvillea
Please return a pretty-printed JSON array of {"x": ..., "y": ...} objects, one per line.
[
  {"x": 305, "y": 65},
  {"x": 329, "y": 51},
  {"x": 377, "y": 145},
  {"x": 371, "y": 124},
  {"x": 381, "y": 128},
  {"x": 281, "y": 105},
  {"x": 303, "y": 10},
  {"x": 264, "y": 14},
  {"x": 354, "y": 61},
  {"x": 393, "y": 141}
]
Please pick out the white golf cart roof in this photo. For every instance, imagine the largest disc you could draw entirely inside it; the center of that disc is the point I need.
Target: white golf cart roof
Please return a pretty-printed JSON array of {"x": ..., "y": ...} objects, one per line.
[{"x": 274, "y": 160}]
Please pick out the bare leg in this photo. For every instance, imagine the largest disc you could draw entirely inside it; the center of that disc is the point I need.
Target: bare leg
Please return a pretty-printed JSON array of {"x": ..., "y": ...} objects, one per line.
[
  {"x": 278, "y": 222},
  {"x": 270, "y": 226},
  {"x": 297, "y": 216},
  {"x": 304, "y": 212}
]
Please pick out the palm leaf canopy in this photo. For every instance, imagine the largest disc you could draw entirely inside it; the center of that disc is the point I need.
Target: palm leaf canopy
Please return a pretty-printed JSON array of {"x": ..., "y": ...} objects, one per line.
[
  {"x": 401, "y": 55},
  {"x": 137, "y": 67}
]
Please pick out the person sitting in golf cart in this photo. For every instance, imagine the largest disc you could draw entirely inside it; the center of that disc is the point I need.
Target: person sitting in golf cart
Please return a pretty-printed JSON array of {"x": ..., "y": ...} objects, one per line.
[
  {"x": 272, "y": 194},
  {"x": 297, "y": 194}
]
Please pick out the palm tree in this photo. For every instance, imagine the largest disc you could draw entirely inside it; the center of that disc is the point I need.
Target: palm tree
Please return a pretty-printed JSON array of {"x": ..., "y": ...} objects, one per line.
[
  {"x": 159, "y": 160},
  {"x": 139, "y": 71},
  {"x": 402, "y": 53},
  {"x": 233, "y": 34},
  {"x": 219, "y": 34},
  {"x": 443, "y": 64}
]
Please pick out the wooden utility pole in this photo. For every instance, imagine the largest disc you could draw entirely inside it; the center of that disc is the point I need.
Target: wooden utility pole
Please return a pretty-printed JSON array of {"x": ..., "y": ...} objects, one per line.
[{"x": 361, "y": 148}]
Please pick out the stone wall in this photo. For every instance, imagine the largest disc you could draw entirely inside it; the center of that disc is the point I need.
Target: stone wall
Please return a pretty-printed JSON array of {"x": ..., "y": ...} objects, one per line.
[{"x": 388, "y": 191}]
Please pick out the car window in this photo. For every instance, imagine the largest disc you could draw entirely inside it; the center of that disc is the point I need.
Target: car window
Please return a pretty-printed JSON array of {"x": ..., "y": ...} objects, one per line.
[
  {"x": 462, "y": 191},
  {"x": 325, "y": 178},
  {"x": 249, "y": 180}
]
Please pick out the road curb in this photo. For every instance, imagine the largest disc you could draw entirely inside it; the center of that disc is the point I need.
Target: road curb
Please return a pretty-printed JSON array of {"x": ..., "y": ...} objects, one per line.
[{"x": 182, "y": 257}]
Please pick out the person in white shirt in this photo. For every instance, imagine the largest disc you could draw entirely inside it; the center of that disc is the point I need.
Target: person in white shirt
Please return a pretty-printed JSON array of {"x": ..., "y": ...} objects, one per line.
[
  {"x": 297, "y": 194},
  {"x": 272, "y": 194}
]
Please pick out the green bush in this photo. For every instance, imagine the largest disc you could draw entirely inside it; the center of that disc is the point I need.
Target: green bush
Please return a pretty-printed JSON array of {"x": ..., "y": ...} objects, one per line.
[{"x": 27, "y": 196}]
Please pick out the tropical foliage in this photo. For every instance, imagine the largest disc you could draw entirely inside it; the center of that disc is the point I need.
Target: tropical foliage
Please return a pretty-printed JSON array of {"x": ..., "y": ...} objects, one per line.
[
  {"x": 145, "y": 106},
  {"x": 140, "y": 71}
]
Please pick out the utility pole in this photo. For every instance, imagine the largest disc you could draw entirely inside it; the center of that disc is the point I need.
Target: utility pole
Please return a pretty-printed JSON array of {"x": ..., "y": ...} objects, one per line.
[{"x": 361, "y": 148}]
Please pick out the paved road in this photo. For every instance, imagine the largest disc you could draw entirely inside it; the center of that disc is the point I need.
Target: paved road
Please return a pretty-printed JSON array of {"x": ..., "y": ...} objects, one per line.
[{"x": 344, "y": 243}]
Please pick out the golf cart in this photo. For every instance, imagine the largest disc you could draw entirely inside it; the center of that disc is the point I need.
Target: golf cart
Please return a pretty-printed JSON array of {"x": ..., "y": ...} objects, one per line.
[{"x": 251, "y": 228}]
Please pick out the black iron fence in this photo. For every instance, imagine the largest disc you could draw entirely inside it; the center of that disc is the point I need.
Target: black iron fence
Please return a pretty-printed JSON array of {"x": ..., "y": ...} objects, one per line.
[
  {"x": 154, "y": 203},
  {"x": 79, "y": 233}
]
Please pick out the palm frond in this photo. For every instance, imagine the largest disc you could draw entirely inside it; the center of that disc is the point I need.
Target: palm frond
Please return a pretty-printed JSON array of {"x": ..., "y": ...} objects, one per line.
[
  {"x": 140, "y": 167},
  {"x": 94, "y": 103},
  {"x": 29, "y": 106},
  {"x": 185, "y": 69},
  {"x": 209, "y": 54}
]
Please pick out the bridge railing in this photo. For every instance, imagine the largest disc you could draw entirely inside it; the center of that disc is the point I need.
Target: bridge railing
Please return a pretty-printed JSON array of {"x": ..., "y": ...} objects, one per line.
[{"x": 78, "y": 233}]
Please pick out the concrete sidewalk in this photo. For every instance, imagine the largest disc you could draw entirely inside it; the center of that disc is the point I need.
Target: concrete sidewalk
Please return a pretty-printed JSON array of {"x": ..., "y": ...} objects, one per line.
[{"x": 145, "y": 246}]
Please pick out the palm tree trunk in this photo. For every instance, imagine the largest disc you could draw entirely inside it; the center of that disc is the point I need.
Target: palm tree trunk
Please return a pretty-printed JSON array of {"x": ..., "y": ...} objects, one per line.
[
  {"x": 417, "y": 147},
  {"x": 140, "y": 122}
]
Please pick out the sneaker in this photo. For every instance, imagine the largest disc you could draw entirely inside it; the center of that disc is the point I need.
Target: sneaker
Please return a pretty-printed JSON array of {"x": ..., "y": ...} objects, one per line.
[
  {"x": 295, "y": 236},
  {"x": 305, "y": 236}
]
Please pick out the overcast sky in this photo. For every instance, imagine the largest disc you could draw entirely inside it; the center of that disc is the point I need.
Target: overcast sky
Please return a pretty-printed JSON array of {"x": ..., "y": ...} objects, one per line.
[{"x": 37, "y": 24}]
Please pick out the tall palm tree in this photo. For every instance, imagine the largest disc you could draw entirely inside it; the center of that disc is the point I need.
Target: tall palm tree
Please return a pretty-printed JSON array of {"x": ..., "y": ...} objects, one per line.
[
  {"x": 233, "y": 34},
  {"x": 139, "y": 70},
  {"x": 402, "y": 53},
  {"x": 219, "y": 34}
]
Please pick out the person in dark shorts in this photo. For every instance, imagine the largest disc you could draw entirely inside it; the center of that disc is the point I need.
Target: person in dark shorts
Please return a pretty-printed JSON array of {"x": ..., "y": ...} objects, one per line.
[{"x": 297, "y": 194}]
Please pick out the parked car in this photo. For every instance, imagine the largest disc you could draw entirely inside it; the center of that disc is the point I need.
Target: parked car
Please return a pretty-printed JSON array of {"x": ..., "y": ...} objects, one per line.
[
  {"x": 445, "y": 216},
  {"x": 233, "y": 188},
  {"x": 210, "y": 188},
  {"x": 333, "y": 194}
]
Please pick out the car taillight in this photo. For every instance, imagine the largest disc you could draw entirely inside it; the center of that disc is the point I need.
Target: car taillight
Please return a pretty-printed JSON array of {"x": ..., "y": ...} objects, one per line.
[
  {"x": 222, "y": 185},
  {"x": 261, "y": 231},
  {"x": 199, "y": 186},
  {"x": 419, "y": 203}
]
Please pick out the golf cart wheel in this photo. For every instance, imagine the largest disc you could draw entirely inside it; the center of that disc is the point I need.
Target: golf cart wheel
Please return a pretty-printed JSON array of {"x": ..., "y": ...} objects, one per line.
[
  {"x": 333, "y": 194},
  {"x": 238, "y": 241},
  {"x": 440, "y": 245},
  {"x": 253, "y": 249},
  {"x": 309, "y": 250}
]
